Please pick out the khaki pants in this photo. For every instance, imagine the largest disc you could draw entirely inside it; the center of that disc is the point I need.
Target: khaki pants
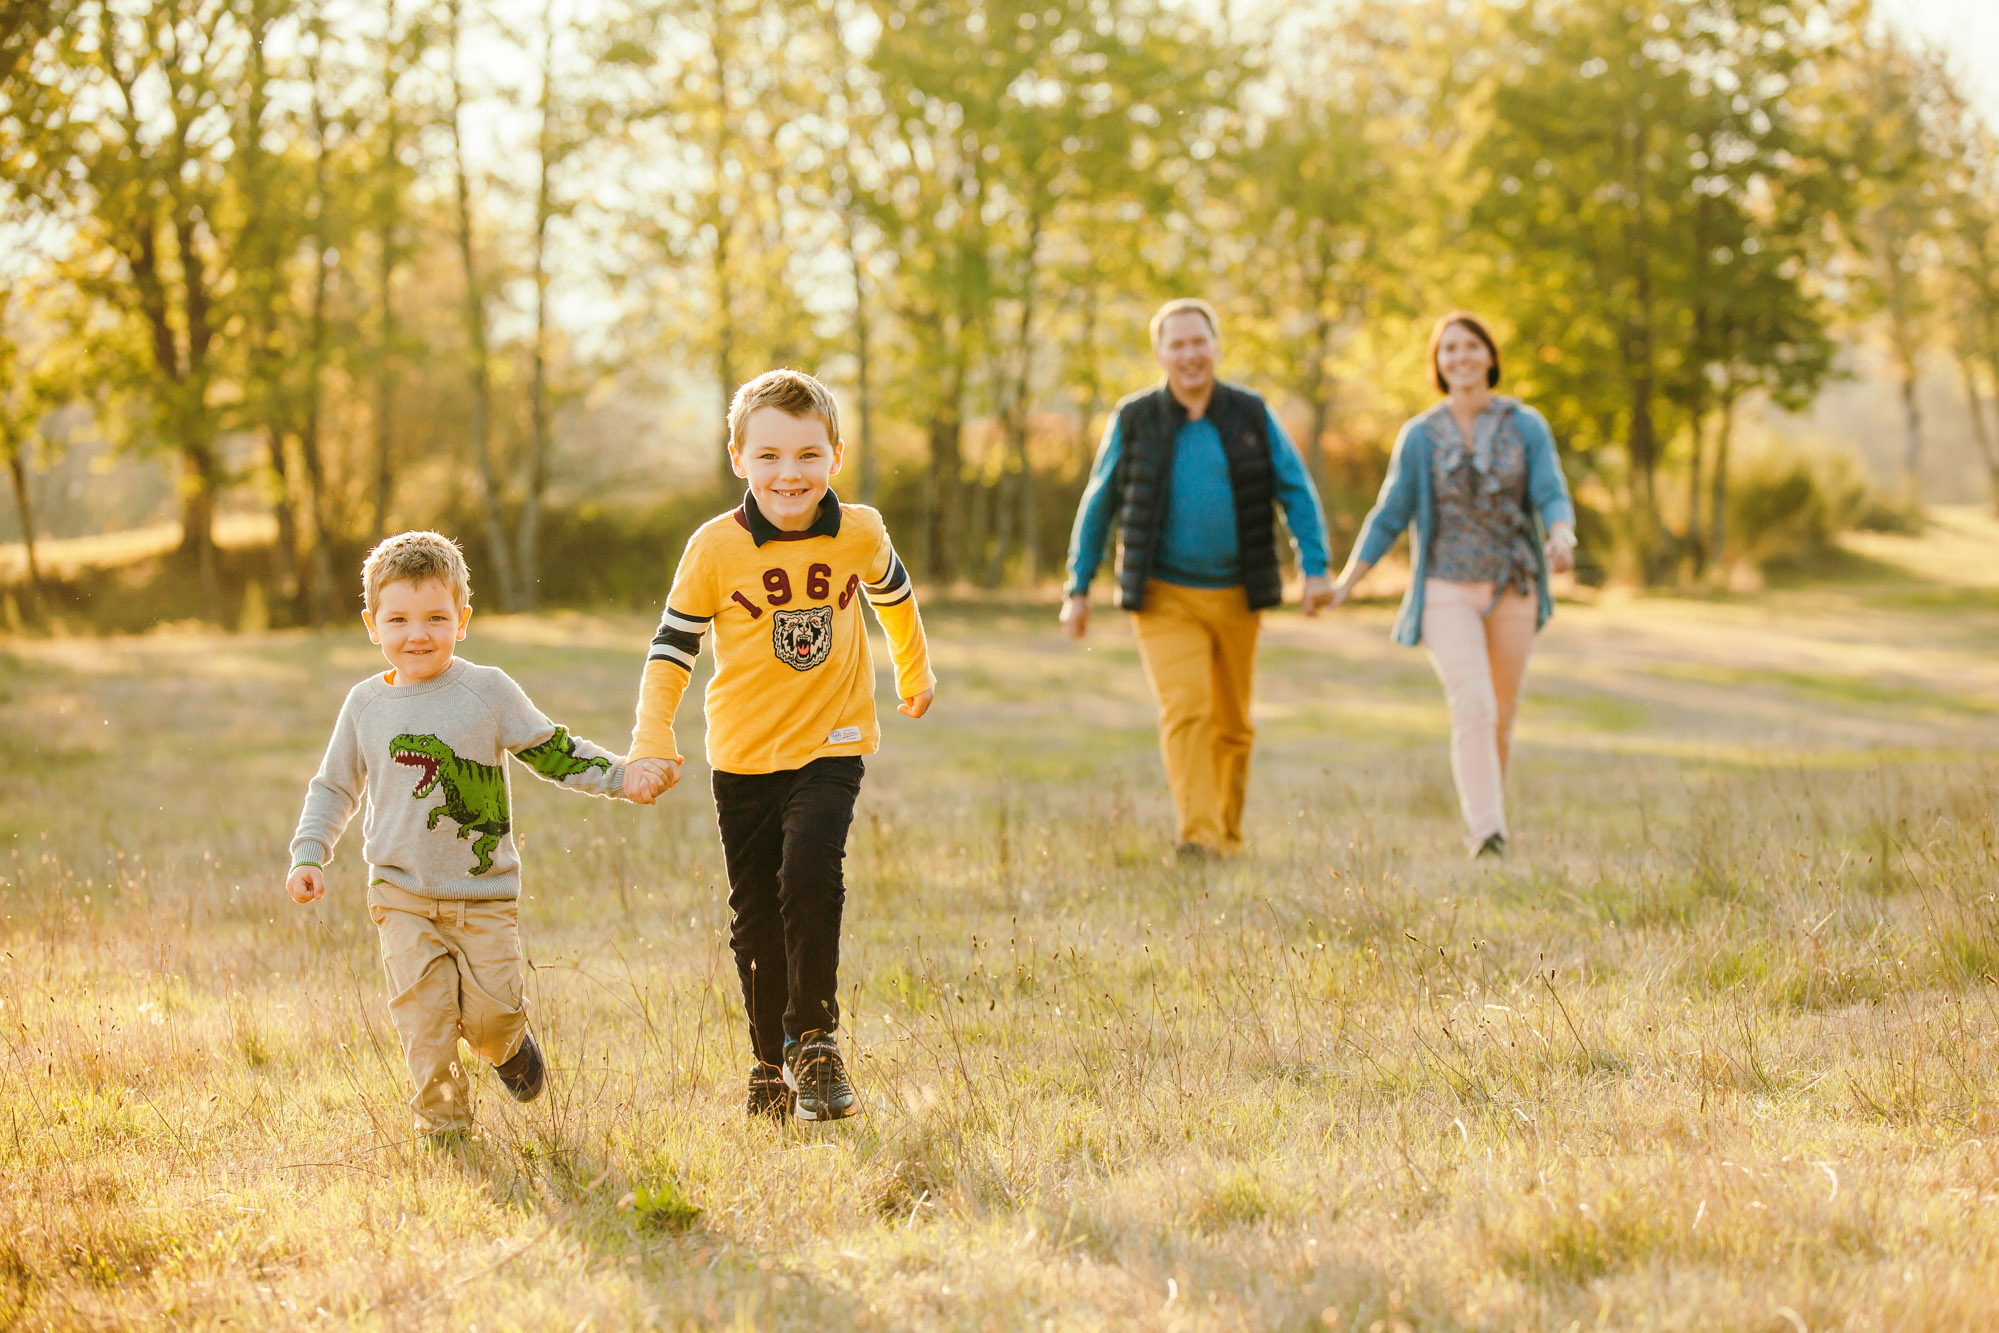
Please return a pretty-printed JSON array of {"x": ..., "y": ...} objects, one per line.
[
  {"x": 454, "y": 970},
  {"x": 1481, "y": 658},
  {"x": 1199, "y": 650}
]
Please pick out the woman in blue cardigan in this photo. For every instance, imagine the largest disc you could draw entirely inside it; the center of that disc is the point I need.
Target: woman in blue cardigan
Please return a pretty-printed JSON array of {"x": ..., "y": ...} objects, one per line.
[{"x": 1478, "y": 476}]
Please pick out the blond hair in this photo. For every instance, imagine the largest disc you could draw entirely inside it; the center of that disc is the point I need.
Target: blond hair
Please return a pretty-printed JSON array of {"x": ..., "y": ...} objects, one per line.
[
  {"x": 792, "y": 392},
  {"x": 415, "y": 557},
  {"x": 1184, "y": 305}
]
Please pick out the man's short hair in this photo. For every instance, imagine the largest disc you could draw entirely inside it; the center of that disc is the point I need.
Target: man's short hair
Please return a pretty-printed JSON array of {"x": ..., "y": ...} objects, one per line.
[
  {"x": 792, "y": 392},
  {"x": 1181, "y": 306},
  {"x": 415, "y": 557}
]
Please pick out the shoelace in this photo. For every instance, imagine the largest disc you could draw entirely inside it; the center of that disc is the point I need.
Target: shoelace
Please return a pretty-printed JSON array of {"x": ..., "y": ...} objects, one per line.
[{"x": 820, "y": 1064}]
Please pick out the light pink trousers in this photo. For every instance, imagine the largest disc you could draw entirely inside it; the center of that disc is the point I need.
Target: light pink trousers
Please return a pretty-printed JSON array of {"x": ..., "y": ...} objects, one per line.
[{"x": 1481, "y": 658}]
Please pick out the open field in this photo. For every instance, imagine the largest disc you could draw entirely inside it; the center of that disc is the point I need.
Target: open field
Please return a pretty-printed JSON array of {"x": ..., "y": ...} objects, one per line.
[{"x": 1713, "y": 1049}]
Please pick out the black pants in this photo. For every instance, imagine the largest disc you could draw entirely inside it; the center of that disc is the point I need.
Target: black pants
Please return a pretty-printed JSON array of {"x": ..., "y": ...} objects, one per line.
[{"x": 784, "y": 836}]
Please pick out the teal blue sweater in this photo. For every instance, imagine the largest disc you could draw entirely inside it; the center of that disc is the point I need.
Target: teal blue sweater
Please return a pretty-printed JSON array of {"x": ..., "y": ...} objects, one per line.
[{"x": 1197, "y": 544}]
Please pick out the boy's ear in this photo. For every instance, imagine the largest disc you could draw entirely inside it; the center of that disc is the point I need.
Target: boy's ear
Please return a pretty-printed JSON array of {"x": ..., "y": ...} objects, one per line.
[
  {"x": 464, "y": 619},
  {"x": 839, "y": 456},
  {"x": 368, "y": 619},
  {"x": 736, "y": 464}
]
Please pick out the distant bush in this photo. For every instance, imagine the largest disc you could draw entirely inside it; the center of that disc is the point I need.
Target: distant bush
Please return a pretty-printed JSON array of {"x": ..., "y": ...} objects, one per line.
[{"x": 1786, "y": 503}]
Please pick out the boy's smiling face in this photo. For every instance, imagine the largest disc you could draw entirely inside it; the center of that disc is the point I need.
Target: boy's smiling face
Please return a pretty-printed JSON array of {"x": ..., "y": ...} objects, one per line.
[
  {"x": 417, "y": 625},
  {"x": 788, "y": 462}
]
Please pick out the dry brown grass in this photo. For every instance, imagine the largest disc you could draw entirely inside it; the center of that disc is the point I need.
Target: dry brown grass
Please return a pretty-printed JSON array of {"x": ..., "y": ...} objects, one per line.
[{"x": 1712, "y": 1050}]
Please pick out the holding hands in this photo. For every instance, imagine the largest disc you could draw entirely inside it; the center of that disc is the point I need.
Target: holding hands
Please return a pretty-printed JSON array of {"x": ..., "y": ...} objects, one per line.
[{"x": 645, "y": 779}]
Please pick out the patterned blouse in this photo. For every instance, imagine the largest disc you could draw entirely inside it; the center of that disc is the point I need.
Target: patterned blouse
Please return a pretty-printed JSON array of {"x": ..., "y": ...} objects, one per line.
[{"x": 1483, "y": 531}]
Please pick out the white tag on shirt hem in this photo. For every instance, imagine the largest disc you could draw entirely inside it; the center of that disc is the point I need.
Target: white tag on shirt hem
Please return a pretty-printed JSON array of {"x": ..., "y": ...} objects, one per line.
[{"x": 843, "y": 736}]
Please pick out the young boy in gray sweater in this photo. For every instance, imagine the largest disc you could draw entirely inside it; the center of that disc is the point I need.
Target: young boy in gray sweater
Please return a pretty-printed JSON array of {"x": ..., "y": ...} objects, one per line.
[{"x": 422, "y": 748}]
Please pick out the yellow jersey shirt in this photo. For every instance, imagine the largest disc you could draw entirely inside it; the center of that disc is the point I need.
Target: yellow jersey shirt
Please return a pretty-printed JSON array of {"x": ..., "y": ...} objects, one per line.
[{"x": 794, "y": 676}]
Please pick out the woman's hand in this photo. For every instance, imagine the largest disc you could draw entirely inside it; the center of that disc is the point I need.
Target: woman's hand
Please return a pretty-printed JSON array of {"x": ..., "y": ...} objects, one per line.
[
  {"x": 1349, "y": 578},
  {"x": 1561, "y": 548}
]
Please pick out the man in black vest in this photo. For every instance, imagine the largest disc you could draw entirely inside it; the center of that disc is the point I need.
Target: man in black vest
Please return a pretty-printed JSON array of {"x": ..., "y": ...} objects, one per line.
[{"x": 1193, "y": 471}]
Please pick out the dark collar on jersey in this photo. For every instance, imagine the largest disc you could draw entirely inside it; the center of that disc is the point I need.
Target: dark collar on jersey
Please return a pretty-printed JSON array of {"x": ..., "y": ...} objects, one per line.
[{"x": 763, "y": 530}]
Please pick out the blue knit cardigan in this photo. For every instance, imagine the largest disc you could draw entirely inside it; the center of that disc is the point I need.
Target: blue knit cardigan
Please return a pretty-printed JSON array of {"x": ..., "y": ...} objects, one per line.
[{"x": 1406, "y": 496}]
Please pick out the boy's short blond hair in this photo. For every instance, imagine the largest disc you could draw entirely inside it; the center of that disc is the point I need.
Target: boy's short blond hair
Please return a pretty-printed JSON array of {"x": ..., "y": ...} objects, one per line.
[
  {"x": 415, "y": 557},
  {"x": 1184, "y": 305},
  {"x": 792, "y": 392}
]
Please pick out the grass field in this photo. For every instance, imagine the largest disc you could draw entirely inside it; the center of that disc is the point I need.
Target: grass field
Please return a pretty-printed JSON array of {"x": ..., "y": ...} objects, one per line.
[{"x": 1713, "y": 1049}]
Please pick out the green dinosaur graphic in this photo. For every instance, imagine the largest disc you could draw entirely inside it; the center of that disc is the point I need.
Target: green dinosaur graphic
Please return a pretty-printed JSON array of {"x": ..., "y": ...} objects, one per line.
[
  {"x": 555, "y": 758},
  {"x": 475, "y": 794}
]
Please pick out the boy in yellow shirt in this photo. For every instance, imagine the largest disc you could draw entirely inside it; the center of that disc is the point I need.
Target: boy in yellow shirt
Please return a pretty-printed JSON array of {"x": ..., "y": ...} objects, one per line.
[{"x": 780, "y": 580}]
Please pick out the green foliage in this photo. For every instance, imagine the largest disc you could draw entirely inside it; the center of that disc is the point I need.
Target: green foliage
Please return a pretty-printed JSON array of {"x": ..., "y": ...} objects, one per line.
[
  {"x": 663, "y": 1207},
  {"x": 962, "y": 211},
  {"x": 1788, "y": 503}
]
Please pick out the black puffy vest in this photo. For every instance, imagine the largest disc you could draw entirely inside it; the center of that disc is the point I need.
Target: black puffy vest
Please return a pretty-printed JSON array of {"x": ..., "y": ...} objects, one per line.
[{"x": 1148, "y": 424}]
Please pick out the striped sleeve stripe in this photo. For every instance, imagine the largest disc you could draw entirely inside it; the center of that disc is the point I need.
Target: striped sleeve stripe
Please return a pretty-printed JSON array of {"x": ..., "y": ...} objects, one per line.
[
  {"x": 682, "y": 621},
  {"x": 894, "y": 585},
  {"x": 666, "y": 652},
  {"x": 678, "y": 638}
]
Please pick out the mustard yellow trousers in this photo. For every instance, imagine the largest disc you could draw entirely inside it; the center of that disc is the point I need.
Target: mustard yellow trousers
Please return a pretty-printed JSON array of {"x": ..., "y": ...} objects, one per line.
[
  {"x": 1199, "y": 650},
  {"x": 454, "y": 969}
]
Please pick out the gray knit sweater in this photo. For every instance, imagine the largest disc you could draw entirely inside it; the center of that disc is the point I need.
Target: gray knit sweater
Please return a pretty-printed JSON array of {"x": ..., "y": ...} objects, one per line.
[{"x": 430, "y": 761}]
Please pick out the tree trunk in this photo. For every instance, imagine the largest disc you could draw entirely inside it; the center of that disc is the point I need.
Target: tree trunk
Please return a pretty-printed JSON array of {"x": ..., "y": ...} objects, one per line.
[
  {"x": 197, "y": 529},
  {"x": 863, "y": 400},
  {"x": 17, "y": 466},
  {"x": 942, "y": 486},
  {"x": 1976, "y": 407},
  {"x": 1696, "y": 547},
  {"x": 1639, "y": 374},
  {"x": 388, "y": 219},
  {"x": 284, "y": 553},
  {"x": 1318, "y": 397},
  {"x": 723, "y": 222},
  {"x": 1912, "y": 437},
  {"x": 1026, "y": 518},
  {"x": 528, "y": 535},
  {"x": 1717, "y": 522},
  {"x": 319, "y": 600},
  {"x": 481, "y": 426},
  {"x": 261, "y": 243},
  {"x": 1694, "y": 557}
]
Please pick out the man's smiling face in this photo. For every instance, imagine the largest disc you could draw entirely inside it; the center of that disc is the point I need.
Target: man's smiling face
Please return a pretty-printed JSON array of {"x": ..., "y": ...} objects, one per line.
[
  {"x": 1186, "y": 351},
  {"x": 788, "y": 462}
]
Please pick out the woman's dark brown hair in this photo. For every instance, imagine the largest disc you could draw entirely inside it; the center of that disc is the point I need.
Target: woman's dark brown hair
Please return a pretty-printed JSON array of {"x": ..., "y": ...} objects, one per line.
[{"x": 1471, "y": 322}]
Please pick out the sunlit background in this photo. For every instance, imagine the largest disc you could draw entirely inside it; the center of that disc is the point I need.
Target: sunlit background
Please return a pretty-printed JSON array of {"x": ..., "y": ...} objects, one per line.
[{"x": 494, "y": 265}]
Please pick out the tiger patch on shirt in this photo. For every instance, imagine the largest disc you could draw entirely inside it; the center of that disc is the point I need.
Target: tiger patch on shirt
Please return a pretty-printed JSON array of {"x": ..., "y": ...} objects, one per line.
[{"x": 802, "y": 639}]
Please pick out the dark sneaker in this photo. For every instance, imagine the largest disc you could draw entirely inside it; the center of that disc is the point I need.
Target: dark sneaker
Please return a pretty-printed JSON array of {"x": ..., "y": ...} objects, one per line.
[
  {"x": 523, "y": 1072},
  {"x": 769, "y": 1093},
  {"x": 1195, "y": 854},
  {"x": 813, "y": 1069},
  {"x": 1494, "y": 846}
]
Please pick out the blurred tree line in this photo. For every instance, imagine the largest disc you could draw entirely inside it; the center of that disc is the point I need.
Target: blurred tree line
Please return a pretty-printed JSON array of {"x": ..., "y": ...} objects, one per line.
[{"x": 370, "y": 256}]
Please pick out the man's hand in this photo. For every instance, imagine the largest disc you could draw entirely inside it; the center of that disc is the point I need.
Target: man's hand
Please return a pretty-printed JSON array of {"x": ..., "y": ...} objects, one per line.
[
  {"x": 918, "y": 705},
  {"x": 306, "y": 884},
  {"x": 1076, "y": 614},
  {"x": 645, "y": 779},
  {"x": 1318, "y": 594}
]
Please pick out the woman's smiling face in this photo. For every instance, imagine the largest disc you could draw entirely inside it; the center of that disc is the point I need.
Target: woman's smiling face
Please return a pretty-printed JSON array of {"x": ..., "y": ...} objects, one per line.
[{"x": 1463, "y": 359}]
